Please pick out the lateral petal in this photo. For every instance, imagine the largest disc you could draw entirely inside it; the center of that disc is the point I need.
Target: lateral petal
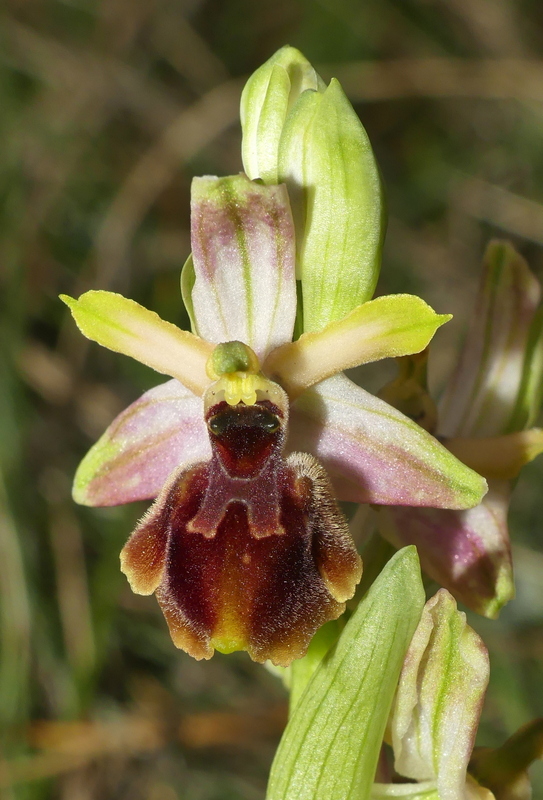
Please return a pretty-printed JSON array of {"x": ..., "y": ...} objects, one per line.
[
  {"x": 132, "y": 460},
  {"x": 467, "y": 552},
  {"x": 482, "y": 394},
  {"x": 387, "y": 327},
  {"x": 244, "y": 285},
  {"x": 374, "y": 454},
  {"x": 126, "y": 327}
]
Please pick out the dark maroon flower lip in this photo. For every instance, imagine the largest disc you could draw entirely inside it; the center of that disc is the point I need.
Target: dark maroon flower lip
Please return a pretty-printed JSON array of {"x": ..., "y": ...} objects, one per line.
[{"x": 248, "y": 551}]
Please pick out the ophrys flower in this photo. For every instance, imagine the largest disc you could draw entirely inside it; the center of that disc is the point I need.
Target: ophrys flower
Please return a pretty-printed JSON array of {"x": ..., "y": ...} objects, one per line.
[{"x": 246, "y": 548}]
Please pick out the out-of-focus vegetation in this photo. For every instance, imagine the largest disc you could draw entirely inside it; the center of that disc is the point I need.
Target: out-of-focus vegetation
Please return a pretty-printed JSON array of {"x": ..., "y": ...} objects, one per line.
[{"x": 107, "y": 111}]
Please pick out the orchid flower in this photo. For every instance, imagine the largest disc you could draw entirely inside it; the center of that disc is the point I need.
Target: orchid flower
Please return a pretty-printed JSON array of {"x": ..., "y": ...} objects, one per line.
[
  {"x": 484, "y": 418},
  {"x": 244, "y": 547}
]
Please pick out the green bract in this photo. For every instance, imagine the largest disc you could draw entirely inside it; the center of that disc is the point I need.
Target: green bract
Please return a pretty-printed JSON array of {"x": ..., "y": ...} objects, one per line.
[
  {"x": 438, "y": 702},
  {"x": 326, "y": 160},
  {"x": 301, "y": 671},
  {"x": 330, "y": 747},
  {"x": 309, "y": 137}
]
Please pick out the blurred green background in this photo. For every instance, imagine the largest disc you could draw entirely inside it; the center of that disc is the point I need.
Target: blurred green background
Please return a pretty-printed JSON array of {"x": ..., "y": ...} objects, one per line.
[{"x": 107, "y": 111}]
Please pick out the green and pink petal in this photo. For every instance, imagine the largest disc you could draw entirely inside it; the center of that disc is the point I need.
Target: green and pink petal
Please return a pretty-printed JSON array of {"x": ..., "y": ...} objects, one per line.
[
  {"x": 133, "y": 459},
  {"x": 467, "y": 552},
  {"x": 375, "y": 454}
]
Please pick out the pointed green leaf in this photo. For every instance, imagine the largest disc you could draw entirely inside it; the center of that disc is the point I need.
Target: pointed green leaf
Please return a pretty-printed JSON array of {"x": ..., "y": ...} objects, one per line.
[
  {"x": 126, "y": 327},
  {"x": 326, "y": 160},
  {"x": 331, "y": 745}
]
